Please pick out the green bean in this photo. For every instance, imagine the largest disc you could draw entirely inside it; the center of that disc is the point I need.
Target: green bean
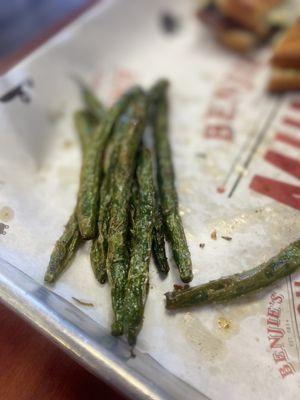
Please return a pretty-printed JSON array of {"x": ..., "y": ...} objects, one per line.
[
  {"x": 158, "y": 242},
  {"x": 233, "y": 286},
  {"x": 131, "y": 125},
  {"x": 99, "y": 245},
  {"x": 91, "y": 171},
  {"x": 67, "y": 245},
  {"x": 85, "y": 124},
  {"x": 92, "y": 103},
  {"x": 141, "y": 231},
  {"x": 64, "y": 250},
  {"x": 166, "y": 181}
]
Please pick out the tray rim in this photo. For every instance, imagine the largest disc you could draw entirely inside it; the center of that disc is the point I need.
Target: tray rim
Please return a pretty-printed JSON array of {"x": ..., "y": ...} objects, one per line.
[{"x": 107, "y": 357}]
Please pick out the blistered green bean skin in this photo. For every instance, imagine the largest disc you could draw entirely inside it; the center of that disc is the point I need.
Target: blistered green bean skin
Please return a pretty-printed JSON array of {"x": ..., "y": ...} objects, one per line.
[
  {"x": 158, "y": 242},
  {"x": 92, "y": 103},
  {"x": 85, "y": 124},
  {"x": 237, "y": 285},
  {"x": 166, "y": 180},
  {"x": 132, "y": 125},
  {"x": 67, "y": 245},
  {"x": 64, "y": 250},
  {"x": 99, "y": 246},
  {"x": 91, "y": 171},
  {"x": 140, "y": 249}
]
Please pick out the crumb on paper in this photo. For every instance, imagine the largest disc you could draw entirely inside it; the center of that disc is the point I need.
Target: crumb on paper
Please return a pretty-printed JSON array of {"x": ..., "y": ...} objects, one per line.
[
  {"x": 228, "y": 238},
  {"x": 68, "y": 144},
  {"x": 181, "y": 287},
  {"x": 201, "y": 155},
  {"x": 224, "y": 323},
  {"x": 83, "y": 303},
  {"x": 213, "y": 235},
  {"x": 239, "y": 169},
  {"x": 178, "y": 287},
  {"x": 169, "y": 22},
  {"x": 201, "y": 245}
]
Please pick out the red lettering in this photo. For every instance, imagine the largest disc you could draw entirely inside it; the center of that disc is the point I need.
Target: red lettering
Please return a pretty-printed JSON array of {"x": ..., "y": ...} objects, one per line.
[
  {"x": 279, "y": 355},
  {"x": 295, "y": 105},
  {"x": 222, "y": 132},
  {"x": 277, "y": 190},
  {"x": 291, "y": 122},
  {"x": 286, "y": 370},
  {"x": 275, "y": 343},
  {"x": 274, "y": 312},
  {"x": 276, "y": 332},
  {"x": 225, "y": 92},
  {"x": 277, "y": 298},
  {"x": 297, "y": 284},
  {"x": 274, "y": 336},
  {"x": 287, "y": 164},
  {"x": 239, "y": 80},
  {"x": 216, "y": 112},
  {"x": 282, "y": 137},
  {"x": 275, "y": 322}
]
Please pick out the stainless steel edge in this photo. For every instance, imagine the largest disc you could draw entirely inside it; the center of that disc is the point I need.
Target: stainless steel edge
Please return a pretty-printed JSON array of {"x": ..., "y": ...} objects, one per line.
[{"x": 88, "y": 342}]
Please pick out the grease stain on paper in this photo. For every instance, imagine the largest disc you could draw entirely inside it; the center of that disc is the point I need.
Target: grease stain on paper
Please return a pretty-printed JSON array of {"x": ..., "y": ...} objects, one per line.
[
  {"x": 211, "y": 347},
  {"x": 212, "y": 343},
  {"x": 241, "y": 309},
  {"x": 6, "y": 214}
]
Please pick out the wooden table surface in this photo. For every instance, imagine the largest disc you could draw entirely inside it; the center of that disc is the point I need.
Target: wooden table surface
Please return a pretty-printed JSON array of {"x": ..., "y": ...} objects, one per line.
[{"x": 32, "y": 367}]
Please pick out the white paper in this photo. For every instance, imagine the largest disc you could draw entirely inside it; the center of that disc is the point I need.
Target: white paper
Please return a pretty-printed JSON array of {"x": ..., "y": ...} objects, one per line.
[{"x": 223, "y": 351}]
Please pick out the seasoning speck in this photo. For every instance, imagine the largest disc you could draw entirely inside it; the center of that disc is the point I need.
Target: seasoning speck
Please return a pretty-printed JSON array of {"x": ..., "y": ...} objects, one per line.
[
  {"x": 201, "y": 155},
  {"x": 213, "y": 235},
  {"x": 169, "y": 22},
  {"x": 220, "y": 189},
  {"x": 228, "y": 238},
  {"x": 201, "y": 245},
  {"x": 83, "y": 303},
  {"x": 178, "y": 287},
  {"x": 68, "y": 144}
]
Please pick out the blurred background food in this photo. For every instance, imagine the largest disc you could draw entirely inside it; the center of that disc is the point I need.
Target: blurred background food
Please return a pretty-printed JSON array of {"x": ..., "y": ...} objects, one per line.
[
  {"x": 242, "y": 25},
  {"x": 286, "y": 61}
]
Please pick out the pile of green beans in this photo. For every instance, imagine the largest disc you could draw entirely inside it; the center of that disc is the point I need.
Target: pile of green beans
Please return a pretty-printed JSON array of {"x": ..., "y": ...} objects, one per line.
[{"x": 125, "y": 209}]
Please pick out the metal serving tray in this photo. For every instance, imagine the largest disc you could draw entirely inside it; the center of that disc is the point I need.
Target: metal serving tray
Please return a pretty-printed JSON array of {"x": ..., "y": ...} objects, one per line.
[
  {"x": 81, "y": 337},
  {"x": 236, "y": 158}
]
